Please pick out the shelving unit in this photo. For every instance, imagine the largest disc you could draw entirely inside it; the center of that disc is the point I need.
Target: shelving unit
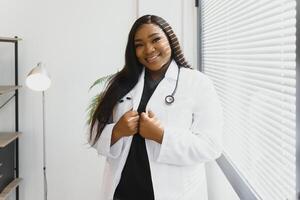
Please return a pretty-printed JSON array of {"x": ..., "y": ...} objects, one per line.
[{"x": 9, "y": 141}]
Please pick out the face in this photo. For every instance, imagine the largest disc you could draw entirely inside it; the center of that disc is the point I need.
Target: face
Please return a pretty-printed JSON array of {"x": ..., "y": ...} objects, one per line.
[{"x": 152, "y": 47}]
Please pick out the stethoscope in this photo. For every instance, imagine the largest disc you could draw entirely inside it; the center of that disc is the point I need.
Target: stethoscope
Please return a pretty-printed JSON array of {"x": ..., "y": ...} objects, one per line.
[{"x": 169, "y": 99}]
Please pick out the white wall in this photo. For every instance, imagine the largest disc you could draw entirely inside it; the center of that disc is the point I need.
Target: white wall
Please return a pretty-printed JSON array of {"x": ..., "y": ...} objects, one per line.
[{"x": 78, "y": 41}]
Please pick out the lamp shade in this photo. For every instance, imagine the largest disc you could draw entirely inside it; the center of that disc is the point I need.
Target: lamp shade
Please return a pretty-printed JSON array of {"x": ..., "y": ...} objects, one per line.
[{"x": 38, "y": 79}]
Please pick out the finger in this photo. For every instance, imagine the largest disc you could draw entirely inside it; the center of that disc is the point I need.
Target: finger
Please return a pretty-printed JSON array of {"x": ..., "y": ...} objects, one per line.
[
  {"x": 133, "y": 127},
  {"x": 133, "y": 113},
  {"x": 151, "y": 114},
  {"x": 157, "y": 123},
  {"x": 143, "y": 116},
  {"x": 134, "y": 119},
  {"x": 136, "y": 122},
  {"x": 127, "y": 113}
]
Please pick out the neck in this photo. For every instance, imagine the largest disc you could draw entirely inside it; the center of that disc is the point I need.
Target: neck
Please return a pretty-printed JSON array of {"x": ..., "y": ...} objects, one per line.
[{"x": 155, "y": 75}]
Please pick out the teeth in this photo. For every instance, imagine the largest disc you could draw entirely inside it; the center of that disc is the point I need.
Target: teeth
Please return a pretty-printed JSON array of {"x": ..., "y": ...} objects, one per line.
[{"x": 151, "y": 59}]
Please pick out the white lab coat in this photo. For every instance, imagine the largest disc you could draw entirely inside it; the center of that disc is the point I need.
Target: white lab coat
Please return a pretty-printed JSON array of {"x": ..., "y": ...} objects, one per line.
[{"x": 192, "y": 136}]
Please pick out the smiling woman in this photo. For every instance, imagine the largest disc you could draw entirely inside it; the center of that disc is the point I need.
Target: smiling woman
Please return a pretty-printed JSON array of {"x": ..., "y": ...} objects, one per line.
[{"x": 155, "y": 148}]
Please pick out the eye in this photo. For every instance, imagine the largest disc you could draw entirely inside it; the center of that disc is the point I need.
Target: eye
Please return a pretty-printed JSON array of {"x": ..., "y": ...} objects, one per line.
[
  {"x": 137, "y": 45},
  {"x": 156, "y": 39}
]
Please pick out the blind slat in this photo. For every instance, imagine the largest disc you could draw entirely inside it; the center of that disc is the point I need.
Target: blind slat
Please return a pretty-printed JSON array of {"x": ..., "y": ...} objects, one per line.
[
  {"x": 259, "y": 69},
  {"x": 276, "y": 79},
  {"x": 254, "y": 64}
]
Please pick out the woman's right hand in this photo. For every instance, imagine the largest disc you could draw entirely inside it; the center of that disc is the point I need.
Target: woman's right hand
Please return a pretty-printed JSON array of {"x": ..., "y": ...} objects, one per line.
[{"x": 127, "y": 125}]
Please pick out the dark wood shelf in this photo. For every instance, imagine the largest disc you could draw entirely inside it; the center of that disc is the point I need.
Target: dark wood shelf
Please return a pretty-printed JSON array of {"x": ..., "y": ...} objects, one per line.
[
  {"x": 8, "y": 88},
  {"x": 8, "y": 39},
  {"x": 9, "y": 188},
  {"x": 8, "y": 137}
]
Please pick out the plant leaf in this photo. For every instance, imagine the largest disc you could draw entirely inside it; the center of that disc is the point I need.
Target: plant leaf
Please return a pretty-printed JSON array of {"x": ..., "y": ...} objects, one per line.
[
  {"x": 101, "y": 80},
  {"x": 97, "y": 98},
  {"x": 92, "y": 107}
]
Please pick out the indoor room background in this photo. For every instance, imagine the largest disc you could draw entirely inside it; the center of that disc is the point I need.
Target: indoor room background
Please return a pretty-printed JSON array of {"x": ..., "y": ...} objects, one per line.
[{"x": 79, "y": 41}]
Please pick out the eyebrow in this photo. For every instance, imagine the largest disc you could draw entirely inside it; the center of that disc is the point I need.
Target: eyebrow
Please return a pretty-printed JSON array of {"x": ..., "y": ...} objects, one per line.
[{"x": 153, "y": 34}]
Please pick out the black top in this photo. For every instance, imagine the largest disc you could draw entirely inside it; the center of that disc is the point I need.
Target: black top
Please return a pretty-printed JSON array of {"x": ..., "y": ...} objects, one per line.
[{"x": 136, "y": 183}]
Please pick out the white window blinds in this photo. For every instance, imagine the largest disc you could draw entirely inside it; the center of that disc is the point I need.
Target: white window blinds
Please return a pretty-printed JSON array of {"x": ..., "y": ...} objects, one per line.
[{"x": 249, "y": 51}]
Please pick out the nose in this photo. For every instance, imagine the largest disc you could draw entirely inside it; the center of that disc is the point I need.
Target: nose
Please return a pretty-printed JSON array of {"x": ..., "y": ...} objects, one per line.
[{"x": 149, "y": 48}]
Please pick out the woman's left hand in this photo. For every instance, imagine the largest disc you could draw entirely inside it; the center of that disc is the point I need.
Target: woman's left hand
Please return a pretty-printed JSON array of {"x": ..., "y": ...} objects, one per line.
[{"x": 150, "y": 127}]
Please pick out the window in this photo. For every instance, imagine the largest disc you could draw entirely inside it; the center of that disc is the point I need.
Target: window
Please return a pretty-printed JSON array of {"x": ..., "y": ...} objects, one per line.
[{"x": 248, "y": 48}]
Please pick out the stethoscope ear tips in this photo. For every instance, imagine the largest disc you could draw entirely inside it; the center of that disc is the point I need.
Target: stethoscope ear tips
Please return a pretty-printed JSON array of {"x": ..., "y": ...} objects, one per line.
[{"x": 169, "y": 99}]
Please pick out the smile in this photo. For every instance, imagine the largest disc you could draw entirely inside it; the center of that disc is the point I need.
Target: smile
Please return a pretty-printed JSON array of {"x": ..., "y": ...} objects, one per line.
[{"x": 152, "y": 58}]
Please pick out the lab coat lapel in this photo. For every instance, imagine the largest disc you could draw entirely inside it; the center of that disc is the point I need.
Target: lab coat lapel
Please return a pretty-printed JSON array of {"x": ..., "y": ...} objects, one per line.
[
  {"x": 165, "y": 87},
  {"x": 157, "y": 104}
]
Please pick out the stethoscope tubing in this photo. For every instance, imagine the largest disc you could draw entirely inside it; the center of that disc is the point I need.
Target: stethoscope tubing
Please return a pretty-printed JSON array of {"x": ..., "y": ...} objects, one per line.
[{"x": 169, "y": 99}]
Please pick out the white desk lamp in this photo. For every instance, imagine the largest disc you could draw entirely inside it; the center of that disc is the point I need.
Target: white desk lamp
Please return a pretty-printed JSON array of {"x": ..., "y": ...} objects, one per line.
[{"x": 38, "y": 80}]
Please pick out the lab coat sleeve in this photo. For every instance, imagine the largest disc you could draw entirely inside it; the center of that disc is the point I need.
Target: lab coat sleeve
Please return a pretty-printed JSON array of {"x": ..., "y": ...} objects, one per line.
[
  {"x": 203, "y": 141},
  {"x": 103, "y": 145}
]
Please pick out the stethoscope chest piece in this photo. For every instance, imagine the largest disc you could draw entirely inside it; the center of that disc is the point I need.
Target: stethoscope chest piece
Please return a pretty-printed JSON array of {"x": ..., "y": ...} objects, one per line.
[{"x": 169, "y": 99}]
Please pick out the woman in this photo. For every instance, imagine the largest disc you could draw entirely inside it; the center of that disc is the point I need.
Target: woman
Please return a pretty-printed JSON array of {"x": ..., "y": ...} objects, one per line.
[{"x": 157, "y": 122}]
